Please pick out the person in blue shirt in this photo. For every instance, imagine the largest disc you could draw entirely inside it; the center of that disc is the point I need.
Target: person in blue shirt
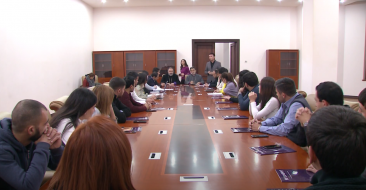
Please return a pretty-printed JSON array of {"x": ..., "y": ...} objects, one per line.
[{"x": 284, "y": 122}]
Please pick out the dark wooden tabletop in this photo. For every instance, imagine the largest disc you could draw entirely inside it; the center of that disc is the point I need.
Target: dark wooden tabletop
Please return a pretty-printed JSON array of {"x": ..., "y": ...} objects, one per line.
[{"x": 191, "y": 148}]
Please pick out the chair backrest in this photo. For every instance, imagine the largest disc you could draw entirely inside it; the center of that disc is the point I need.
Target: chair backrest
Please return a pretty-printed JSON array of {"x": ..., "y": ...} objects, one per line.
[
  {"x": 5, "y": 115},
  {"x": 58, "y": 103},
  {"x": 83, "y": 77},
  {"x": 311, "y": 101},
  {"x": 303, "y": 93},
  {"x": 354, "y": 105}
]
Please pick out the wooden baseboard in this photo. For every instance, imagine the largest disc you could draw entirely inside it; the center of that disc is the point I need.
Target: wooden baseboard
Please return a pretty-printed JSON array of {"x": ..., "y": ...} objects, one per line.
[{"x": 350, "y": 97}]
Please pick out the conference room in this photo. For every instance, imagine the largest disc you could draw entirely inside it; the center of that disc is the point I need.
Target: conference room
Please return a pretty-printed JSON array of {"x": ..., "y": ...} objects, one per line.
[{"x": 185, "y": 134}]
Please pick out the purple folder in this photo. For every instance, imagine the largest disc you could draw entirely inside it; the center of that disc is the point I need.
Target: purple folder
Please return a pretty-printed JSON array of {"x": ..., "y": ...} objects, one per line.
[
  {"x": 241, "y": 130},
  {"x": 263, "y": 151},
  {"x": 217, "y": 97},
  {"x": 226, "y": 102},
  {"x": 221, "y": 109},
  {"x": 137, "y": 118},
  {"x": 131, "y": 129},
  {"x": 294, "y": 175},
  {"x": 234, "y": 117}
]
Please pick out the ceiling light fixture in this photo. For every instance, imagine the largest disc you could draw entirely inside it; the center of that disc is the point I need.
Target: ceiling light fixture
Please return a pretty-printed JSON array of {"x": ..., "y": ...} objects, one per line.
[
  {"x": 170, "y": 0},
  {"x": 279, "y": 0},
  {"x": 300, "y": 1},
  {"x": 125, "y": 1},
  {"x": 258, "y": 0},
  {"x": 342, "y": 1},
  {"x": 215, "y": 0},
  {"x": 104, "y": 1},
  {"x": 193, "y": 0}
]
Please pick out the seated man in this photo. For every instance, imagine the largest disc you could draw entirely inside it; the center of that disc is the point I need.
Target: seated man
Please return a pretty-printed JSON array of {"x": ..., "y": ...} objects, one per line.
[
  {"x": 194, "y": 78},
  {"x": 28, "y": 146},
  {"x": 120, "y": 110},
  {"x": 152, "y": 80},
  {"x": 336, "y": 136},
  {"x": 284, "y": 122},
  {"x": 170, "y": 79},
  {"x": 251, "y": 84},
  {"x": 362, "y": 104},
  {"x": 326, "y": 94},
  {"x": 127, "y": 99}
]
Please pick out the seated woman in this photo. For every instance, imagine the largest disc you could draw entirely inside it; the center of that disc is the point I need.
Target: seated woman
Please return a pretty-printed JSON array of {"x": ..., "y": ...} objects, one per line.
[
  {"x": 105, "y": 95},
  {"x": 230, "y": 87},
  {"x": 139, "y": 89},
  {"x": 98, "y": 156},
  {"x": 269, "y": 104},
  {"x": 78, "y": 108}
]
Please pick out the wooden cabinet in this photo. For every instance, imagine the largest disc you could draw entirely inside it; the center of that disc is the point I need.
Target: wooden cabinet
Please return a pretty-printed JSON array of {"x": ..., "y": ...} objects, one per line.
[
  {"x": 108, "y": 64},
  {"x": 283, "y": 63},
  {"x": 166, "y": 59}
]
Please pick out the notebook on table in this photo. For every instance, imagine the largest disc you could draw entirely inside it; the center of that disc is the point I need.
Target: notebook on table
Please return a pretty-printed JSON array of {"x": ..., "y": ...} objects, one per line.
[
  {"x": 131, "y": 129},
  {"x": 224, "y": 102},
  {"x": 209, "y": 90},
  {"x": 294, "y": 176},
  {"x": 137, "y": 118},
  {"x": 234, "y": 117},
  {"x": 241, "y": 130},
  {"x": 214, "y": 94},
  {"x": 221, "y": 109},
  {"x": 264, "y": 151}
]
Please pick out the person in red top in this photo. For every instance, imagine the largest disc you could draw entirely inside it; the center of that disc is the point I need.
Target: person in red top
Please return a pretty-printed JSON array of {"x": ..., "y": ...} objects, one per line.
[{"x": 127, "y": 99}]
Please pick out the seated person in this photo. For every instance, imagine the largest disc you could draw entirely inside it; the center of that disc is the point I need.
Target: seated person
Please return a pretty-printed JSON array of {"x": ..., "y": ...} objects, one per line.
[
  {"x": 139, "y": 89},
  {"x": 147, "y": 87},
  {"x": 242, "y": 89},
  {"x": 105, "y": 95},
  {"x": 127, "y": 99},
  {"x": 78, "y": 108},
  {"x": 230, "y": 87},
  {"x": 133, "y": 94},
  {"x": 110, "y": 167},
  {"x": 250, "y": 85},
  {"x": 89, "y": 80},
  {"x": 336, "y": 136},
  {"x": 28, "y": 146},
  {"x": 120, "y": 110},
  {"x": 213, "y": 84},
  {"x": 170, "y": 79},
  {"x": 362, "y": 103},
  {"x": 269, "y": 104},
  {"x": 326, "y": 94},
  {"x": 194, "y": 78},
  {"x": 284, "y": 122},
  {"x": 220, "y": 84},
  {"x": 152, "y": 80}
]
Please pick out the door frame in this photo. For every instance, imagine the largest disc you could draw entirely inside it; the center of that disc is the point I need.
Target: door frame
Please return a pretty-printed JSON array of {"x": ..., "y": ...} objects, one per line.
[{"x": 234, "y": 68}]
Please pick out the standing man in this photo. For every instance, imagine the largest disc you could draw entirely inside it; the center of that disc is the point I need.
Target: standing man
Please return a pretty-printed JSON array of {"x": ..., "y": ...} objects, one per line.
[{"x": 211, "y": 66}]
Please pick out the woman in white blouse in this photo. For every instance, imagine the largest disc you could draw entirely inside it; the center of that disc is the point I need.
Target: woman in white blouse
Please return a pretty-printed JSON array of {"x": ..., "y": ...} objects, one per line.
[
  {"x": 269, "y": 104},
  {"x": 78, "y": 108}
]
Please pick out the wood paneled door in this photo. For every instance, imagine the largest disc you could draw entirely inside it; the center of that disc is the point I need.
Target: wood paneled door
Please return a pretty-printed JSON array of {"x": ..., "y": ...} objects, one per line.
[
  {"x": 283, "y": 63},
  {"x": 202, "y": 51}
]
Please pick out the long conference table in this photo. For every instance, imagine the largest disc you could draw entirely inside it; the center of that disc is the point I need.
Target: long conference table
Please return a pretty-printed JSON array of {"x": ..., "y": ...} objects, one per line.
[{"x": 191, "y": 148}]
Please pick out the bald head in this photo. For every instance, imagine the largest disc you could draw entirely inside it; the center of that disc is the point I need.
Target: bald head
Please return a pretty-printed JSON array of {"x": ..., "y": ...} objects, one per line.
[{"x": 26, "y": 113}]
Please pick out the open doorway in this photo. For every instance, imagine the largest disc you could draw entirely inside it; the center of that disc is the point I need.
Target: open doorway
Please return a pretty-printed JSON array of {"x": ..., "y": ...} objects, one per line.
[{"x": 226, "y": 50}]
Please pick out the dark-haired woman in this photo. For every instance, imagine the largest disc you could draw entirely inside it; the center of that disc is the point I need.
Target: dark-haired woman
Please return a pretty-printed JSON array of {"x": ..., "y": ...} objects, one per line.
[
  {"x": 269, "y": 105},
  {"x": 98, "y": 157},
  {"x": 139, "y": 89},
  {"x": 184, "y": 70},
  {"x": 78, "y": 108},
  {"x": 230, "y": 87}
]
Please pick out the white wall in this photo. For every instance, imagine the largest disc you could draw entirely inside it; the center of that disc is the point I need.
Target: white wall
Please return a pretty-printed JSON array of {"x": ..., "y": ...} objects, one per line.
[
  {"x": 160, "y": 28},
  {"x": 354, "y": 48},
  {"x": 222, "y": 54},
  {"x": 45, "y": 48}
]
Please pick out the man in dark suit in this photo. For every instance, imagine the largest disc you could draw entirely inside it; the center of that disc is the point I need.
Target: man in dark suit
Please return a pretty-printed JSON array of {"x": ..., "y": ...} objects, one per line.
[
  {"x": 170, "y": 79},
  {"x": 211, "y": 66}
]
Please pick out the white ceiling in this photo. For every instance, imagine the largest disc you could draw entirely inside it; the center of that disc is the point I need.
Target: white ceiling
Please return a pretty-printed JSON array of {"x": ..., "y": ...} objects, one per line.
[{"x": 151, "y": 3}]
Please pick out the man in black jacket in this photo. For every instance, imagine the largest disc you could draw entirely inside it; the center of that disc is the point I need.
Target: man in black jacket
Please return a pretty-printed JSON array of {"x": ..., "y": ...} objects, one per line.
[
  {"x": 27, "y": 146},
  {"x": 336, "y": 136},
  {"x": 170, "y": 79},
  {"x": 120, "y": 110}
]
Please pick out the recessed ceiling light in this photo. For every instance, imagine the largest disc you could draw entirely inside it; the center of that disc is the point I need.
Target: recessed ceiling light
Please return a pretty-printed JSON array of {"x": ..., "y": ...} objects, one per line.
[
  {"x": 258, "y": 0},
  {"x": 125, "y": 1},
  {"x": 104, "y": 1},
  {"x": 170, "y": 0},
  {"x": 300, "y": 1},
  {"x": 193, "y": 0},
  {"x": 342, "y": 1},
  {"x": 279, "y": 0},
  {"x": 215, "y": 0}
]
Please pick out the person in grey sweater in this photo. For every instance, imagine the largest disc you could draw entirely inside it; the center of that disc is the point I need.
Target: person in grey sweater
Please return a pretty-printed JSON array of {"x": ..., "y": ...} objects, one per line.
[
  {"x": 194, "y": 78},
  {"x": 231, "y": 88},
  {"x": 91, "y": 79}
]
